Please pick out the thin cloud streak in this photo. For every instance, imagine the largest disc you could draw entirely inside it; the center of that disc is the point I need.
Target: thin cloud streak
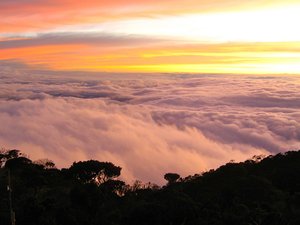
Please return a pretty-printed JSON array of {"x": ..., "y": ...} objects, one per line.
[{"x": 71, "y": 38}]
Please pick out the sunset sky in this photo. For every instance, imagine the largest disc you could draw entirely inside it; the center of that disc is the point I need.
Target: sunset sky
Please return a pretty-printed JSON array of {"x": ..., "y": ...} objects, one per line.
[{"x": 199, "y": 36}]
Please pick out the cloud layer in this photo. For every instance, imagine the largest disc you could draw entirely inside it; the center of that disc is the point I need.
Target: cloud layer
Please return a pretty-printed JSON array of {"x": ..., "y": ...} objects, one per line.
[{"x": 148, "y": 124}]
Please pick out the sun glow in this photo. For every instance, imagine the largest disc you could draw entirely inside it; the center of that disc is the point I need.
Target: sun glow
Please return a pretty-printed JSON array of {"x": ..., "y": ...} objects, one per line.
[{"x": 267, "y": 25}]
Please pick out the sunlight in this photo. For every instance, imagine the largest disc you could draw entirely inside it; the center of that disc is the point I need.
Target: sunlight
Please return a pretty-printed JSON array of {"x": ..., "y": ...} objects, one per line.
[{"x": 273, "y": 24}]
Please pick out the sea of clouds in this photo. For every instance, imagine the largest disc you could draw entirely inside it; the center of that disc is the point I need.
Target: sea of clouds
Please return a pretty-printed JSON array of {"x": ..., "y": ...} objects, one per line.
[{"x": 147, "y": 124}]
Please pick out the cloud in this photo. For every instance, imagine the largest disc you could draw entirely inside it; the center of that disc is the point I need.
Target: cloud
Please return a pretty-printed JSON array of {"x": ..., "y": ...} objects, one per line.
[
  {"x": 66, "y": 130},
  {"x": 70, "y": 38},
  {"x": 148, "y": 124}
]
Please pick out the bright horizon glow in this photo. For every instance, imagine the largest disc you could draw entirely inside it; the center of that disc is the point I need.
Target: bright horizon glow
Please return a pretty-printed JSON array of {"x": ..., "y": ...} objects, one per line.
[{"x": 266, "y": 25}]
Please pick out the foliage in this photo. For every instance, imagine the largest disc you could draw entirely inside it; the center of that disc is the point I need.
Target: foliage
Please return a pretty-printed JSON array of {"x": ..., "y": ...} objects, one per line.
[
  {"x": 171, "y": 177},
  {"x": 262, "y": 191},
  {"x": 94, "y": 171}
]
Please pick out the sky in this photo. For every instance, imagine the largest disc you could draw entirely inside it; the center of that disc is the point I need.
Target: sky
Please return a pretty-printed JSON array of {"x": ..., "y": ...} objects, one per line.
[{"x": 170, "y": 36}]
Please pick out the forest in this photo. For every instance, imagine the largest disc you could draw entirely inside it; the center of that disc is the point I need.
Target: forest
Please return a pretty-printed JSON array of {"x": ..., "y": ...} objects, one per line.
[{"x": 260, "y": 191}]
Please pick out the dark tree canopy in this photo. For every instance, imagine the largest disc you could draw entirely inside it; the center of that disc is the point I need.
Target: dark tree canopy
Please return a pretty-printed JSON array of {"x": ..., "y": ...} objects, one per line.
[
  {"x": 171, "y": 177},
  {"x": 19, "y": 162},
  {"x": 94, "y": 171},
  {"x": 6, "y": 155},
  {"x": 259, "y": 191},
  {"x": 46, "y": 163}
]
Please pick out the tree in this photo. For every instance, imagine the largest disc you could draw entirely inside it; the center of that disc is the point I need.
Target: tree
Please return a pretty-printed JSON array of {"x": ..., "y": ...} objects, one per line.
[
  {"x": 93, "y": 171},
  {"x": 46, "y": 163},
  {"x": 19, "y": 162},
  {"x": 115, "y": 186},
  {"x": 6, "y": 155},
  {"x": 171, "y": 177}
]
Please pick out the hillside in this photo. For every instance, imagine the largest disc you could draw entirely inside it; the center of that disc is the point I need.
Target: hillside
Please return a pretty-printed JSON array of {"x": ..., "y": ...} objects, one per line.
[{"x": 263, "y": 190}]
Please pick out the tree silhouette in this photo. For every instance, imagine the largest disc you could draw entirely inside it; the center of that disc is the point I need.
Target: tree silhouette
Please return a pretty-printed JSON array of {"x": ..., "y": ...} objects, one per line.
[
  {"x": 93, "y": 171},
  {"x": 171, "y": 177},
  {"x": 6, "y": 155},
  {"x": 263, "y": 191},
  {"x": 46, "y": 163}
]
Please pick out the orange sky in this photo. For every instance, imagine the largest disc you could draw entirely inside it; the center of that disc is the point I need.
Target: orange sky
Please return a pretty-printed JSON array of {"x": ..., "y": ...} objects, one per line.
[{"x": 201, "y": 36}]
